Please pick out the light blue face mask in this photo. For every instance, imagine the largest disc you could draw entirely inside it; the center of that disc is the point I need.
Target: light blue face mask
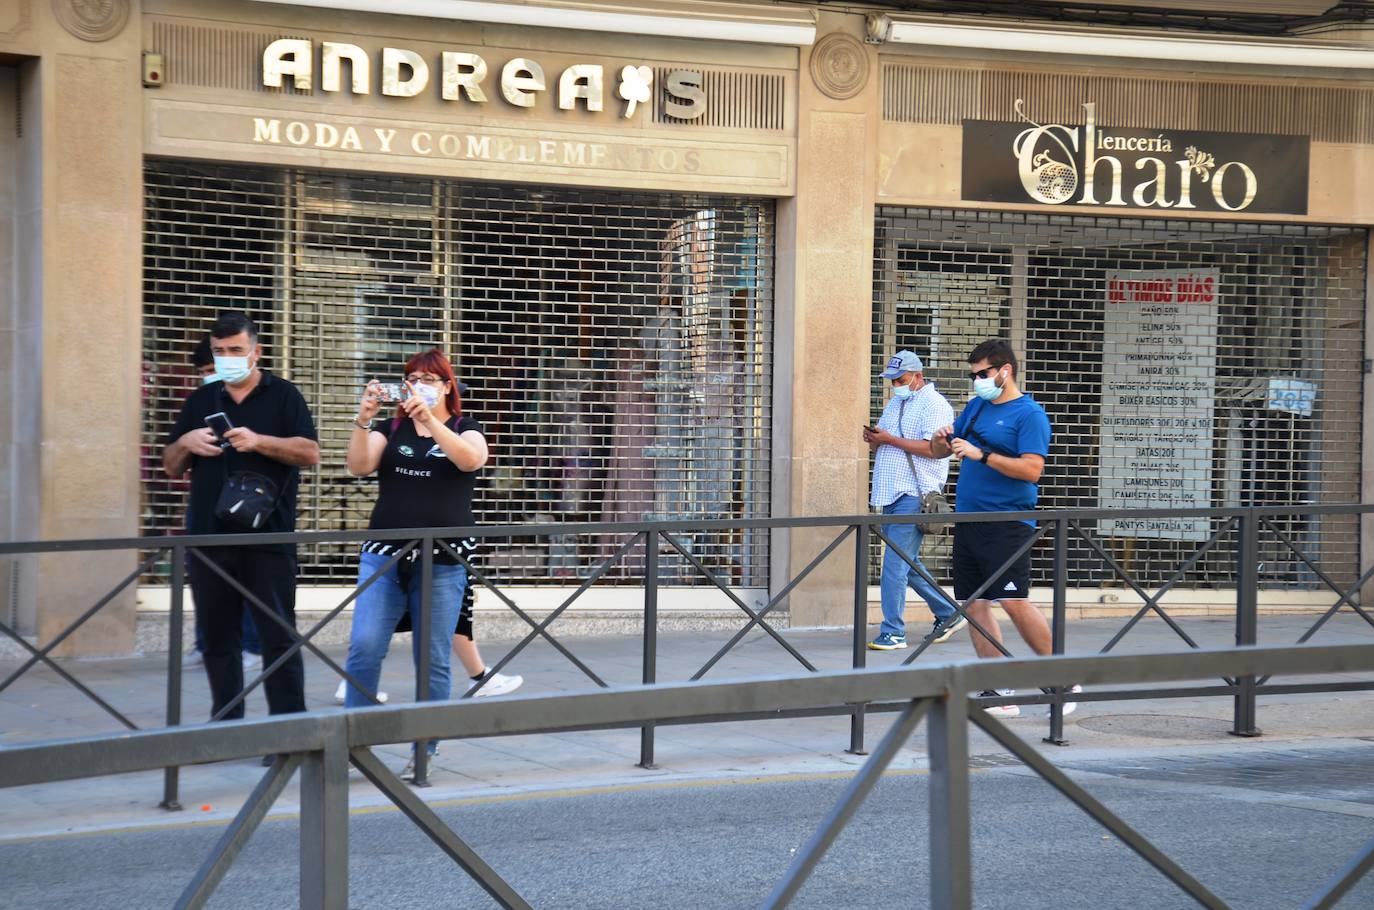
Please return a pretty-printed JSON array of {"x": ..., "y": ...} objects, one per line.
[
  {"x": 232, "y": 370},
  {"x": 902, "y": 392},
  {"x": 986, "y": 388},
  {"x": 209, "y": 378}
]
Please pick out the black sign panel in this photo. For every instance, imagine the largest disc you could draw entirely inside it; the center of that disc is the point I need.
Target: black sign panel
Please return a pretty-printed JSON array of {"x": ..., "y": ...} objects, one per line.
[{"x": 1172, "y": 170}]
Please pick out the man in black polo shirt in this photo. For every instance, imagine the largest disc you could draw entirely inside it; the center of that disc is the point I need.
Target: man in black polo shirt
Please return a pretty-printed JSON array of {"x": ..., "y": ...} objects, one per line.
[{"x": 273, "y": 435}]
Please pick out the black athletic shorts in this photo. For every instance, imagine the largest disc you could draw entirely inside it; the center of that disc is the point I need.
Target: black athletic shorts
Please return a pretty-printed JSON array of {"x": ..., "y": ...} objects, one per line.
[{"x": 980, "y": 549}]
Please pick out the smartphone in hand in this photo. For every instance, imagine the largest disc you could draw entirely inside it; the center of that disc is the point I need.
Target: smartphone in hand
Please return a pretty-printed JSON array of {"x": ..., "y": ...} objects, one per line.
[
  {"x": 393, "y": 392},
  {"x": 868, "y": 429},
  {"x": 219, "y": 423}
]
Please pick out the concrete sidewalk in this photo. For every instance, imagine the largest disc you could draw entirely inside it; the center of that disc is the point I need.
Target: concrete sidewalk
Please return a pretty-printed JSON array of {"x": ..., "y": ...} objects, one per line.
[{"x": 40, "y": 705}]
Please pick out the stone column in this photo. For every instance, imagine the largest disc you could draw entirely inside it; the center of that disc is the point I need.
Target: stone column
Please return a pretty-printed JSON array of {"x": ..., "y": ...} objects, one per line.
[
  {"x": 77, "y": 258},
  {"x": 830, "y": 267}
]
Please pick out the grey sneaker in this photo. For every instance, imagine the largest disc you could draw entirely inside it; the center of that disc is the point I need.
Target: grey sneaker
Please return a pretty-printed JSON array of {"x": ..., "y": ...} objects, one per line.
[{"x": 943, "y": 632}]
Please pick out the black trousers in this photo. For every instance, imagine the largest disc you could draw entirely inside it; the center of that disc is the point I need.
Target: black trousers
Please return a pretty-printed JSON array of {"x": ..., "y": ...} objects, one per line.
[{"x": 270, "y": 576}]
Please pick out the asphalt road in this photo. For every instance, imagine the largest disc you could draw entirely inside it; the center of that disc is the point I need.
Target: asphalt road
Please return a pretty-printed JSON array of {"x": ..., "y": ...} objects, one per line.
[{"x": 1262, "y": 829}]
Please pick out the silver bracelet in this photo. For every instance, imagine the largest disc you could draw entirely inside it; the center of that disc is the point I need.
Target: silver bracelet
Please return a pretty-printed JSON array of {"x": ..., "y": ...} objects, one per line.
[{"x": 362, "y": 426}]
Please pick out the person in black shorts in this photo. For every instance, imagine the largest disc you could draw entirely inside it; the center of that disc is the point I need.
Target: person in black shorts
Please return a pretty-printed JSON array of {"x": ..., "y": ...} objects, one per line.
[{"x": 1002, "y": 438}]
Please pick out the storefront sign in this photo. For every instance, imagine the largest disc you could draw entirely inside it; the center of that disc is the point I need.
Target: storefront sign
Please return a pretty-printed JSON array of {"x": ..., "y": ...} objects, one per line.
[
  {"x": 467, "y": 78},
  {"x": 1159, "y": 346},
  {"x": 1054, "y": 164},
  {"x": 495, "y": 151}
]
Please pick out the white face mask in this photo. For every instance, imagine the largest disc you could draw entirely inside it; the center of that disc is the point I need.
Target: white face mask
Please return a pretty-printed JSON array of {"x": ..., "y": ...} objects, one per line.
[{"x": 429, "y": 394}]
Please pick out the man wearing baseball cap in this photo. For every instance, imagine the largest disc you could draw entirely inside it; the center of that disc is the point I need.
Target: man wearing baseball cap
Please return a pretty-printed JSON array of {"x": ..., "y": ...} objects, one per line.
[{"x": 905, "y": 470}]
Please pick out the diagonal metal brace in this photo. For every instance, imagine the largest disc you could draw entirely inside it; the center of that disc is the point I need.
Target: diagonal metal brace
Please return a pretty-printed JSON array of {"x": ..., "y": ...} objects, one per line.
[
  {"x": 541, "y": 628},
  {"x": 1130, "y": 580},
  {"x": 1343, "y": 880},
  {"x": 1175, "y": 578},
  {"x": 849, "y": 802},
  {"x": 756, "y": 619},
  {"x": 254, "y": 810},
  {"x": 976, "y": 595},
  {"x": 433, "y": 827},
  {"x": 1346, "y": 597},
  {"x": 264, "y": 610},
  {"x": 1089, "y": 804},
  {"x": 41, "y": 655},
  {"x": 531, "y": 621}
]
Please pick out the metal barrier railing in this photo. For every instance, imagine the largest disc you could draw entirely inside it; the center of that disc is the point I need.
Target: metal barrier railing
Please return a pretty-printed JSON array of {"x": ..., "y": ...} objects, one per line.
[
  {"x": 322, "y": 745},
  {"x": 1057, "y": 526}
]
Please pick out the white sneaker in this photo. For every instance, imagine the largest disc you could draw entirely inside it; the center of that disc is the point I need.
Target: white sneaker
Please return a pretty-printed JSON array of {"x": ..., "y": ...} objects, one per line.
[
  {"x": 342, "y": 692},
  {"x": 1072, "y": 706},
  {"x": 252, "y": 662},
  {"x": 499, "y": 684},
  {"x": 1000, "y": 710},
  {"x": 193, "y": 658}
]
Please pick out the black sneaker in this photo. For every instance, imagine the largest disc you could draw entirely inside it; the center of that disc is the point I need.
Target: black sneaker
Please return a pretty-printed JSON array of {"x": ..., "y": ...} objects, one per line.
[{"x": 943, "y": 632}]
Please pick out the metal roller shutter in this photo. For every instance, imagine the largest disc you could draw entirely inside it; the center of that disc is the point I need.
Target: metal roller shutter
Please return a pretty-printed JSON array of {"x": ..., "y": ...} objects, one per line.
[
  {"x": 1254, "y": 399},
  {"x": 618, "y": 346}
]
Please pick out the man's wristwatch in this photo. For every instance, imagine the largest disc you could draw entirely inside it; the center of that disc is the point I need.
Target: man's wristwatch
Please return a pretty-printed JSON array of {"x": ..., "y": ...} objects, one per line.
[{"x": 984, "y": 459}]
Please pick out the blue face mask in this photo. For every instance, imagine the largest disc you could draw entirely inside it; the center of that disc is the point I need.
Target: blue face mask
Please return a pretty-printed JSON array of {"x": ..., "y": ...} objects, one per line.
[
  {"x": 902, "y": 392},
  {"x": 209, "y": 378},
  {"x": 232, "y": 370}
]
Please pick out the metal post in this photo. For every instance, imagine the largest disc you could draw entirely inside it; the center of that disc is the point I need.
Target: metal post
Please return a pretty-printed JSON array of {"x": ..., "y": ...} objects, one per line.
[
  {"x": 860, "y": 646},
  {"x": 1247, "y": 619},
  {"x": 324, "y": 823},
  {"x": 421, "y": 631},
  {"x": 951, "y": 852},
  {"x": 171, "y": 777},
  {"x": 1059, "y": 620},
  {"x": 646, "y": 732}
]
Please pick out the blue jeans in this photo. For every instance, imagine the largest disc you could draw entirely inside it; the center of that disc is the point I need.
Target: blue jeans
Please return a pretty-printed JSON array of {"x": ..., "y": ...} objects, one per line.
[
  {"x": 897, "y": 575},
  {"x": 376, "y": 612}
]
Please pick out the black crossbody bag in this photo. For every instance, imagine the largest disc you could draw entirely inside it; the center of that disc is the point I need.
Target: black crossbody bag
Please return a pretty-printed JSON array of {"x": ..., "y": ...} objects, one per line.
[
  {"x": 247, "y": 498},
  {"x": 971, "y": 432}
]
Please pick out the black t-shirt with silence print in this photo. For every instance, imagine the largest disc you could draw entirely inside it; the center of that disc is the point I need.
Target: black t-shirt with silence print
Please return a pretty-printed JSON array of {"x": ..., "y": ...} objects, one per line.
[{"x": 418, "y": 485}]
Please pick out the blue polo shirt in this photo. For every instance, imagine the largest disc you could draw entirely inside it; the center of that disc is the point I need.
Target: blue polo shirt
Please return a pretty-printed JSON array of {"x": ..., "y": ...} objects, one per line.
[{"x": 1017, "y": 427}]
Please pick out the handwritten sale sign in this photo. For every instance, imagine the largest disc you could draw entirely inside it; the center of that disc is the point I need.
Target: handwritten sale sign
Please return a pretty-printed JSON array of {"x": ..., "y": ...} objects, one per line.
[{"x": 1158, "y": 366}]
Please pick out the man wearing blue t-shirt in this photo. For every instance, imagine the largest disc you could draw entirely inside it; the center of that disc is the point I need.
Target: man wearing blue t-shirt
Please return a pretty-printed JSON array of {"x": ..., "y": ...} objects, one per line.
[{"x": 1001, "y": 438}]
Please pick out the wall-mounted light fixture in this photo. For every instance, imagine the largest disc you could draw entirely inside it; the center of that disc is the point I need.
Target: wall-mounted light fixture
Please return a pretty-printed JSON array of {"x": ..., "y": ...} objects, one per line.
[
  {"x": 1120, "y": 44},
  {"x": 727, "y": 22}
]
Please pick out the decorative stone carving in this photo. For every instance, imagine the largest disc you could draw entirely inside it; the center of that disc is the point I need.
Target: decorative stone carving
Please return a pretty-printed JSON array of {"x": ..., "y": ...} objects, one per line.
[
  {"x": 15, "y": 21},
  {"x": 839, "y": 65},
  {"x": 92, "y": 20}
]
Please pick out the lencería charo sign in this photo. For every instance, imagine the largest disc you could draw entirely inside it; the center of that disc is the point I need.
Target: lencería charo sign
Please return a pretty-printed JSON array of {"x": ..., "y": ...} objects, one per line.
[
  {"x": 1055, "y": 164},
  {"x": 465, "y": 77}
]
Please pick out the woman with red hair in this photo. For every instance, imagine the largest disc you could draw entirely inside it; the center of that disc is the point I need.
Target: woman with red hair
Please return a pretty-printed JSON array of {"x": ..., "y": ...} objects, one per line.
[{"x": 427, "y": 458}]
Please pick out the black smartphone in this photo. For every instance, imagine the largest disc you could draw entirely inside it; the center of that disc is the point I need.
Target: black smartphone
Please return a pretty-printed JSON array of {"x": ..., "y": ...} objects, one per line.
[
  {"x": 219, "y": 423},
  {"x": 868, "y": 429}
]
